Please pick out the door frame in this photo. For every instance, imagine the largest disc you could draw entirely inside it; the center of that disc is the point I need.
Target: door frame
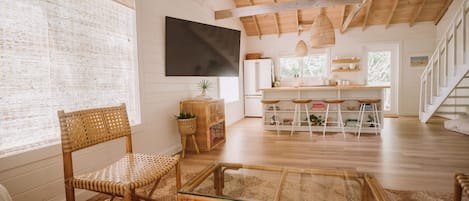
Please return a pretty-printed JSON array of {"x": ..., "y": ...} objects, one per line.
[{"x": 395, "y": 48}]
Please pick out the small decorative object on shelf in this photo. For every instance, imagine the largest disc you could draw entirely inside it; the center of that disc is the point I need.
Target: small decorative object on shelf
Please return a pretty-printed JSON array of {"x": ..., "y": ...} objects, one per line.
[{"x": 204, "y": 85}]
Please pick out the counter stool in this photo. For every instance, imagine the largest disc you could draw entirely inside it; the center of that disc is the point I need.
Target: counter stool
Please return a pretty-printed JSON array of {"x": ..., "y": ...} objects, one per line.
[
  {"x": 297, "y": 114},
  {"x": 339, "y": 121},
  {"x": 273, "y": 103},
  {"x": 374, "y": 112}
]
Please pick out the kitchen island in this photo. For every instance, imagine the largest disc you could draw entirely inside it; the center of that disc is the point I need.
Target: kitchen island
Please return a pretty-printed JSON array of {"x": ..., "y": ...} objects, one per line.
[{"x": 350, "y": 108}]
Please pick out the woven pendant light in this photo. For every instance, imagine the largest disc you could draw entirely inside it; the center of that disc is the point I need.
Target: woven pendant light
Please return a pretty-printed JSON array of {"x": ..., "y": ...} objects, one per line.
[
  {"x": 322, "y": 31},
  {"x": 301, "y": 49}
]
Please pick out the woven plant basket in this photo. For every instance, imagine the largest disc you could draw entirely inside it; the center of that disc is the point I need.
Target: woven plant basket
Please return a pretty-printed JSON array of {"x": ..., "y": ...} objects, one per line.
[{"x": 187, "y": 126}]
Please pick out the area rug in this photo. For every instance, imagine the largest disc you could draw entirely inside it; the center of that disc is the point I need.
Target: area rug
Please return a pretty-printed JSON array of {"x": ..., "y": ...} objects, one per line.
[{"x": 258, "y": 188}]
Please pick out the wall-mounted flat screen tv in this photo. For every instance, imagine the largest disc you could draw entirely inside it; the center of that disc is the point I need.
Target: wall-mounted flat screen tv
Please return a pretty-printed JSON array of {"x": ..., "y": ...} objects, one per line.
[{"x": 196, "y": 49}]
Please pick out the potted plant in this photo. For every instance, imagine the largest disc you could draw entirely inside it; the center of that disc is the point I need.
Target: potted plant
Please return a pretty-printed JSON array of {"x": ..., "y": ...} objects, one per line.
[
  {"x": 187, "y": 123},
  {"x": 204, "y": 85}
]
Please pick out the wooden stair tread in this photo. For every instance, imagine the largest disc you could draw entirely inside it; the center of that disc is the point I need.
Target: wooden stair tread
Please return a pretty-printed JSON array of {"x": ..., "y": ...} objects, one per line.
[
  {"x": 455, "y": 105},
  {"x": 458, "y": 96},
  {"x": 442, "y": 113}
]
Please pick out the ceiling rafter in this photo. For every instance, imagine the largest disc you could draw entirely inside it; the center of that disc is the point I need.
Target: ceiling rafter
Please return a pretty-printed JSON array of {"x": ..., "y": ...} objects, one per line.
[
  {"x": 279, "y": 7},
  {"x": 258, "y": 29},
  {"x": 277, "y": 26},
  {"x": 388, "y": 22},
  {"x": 370, "y": 3},
  {"x": 298, "y": 22},
  {"x": 416, "y": 14},
  {"x": 342, "y": 18},
  {"x": 351, "y": 15},
  {"x": 442, "y": 11}
]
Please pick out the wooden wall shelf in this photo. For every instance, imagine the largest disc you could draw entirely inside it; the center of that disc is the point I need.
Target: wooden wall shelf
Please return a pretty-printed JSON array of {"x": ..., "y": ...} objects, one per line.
[
  {"x": 346, "y": 70},
  {"x": 210, "y": 122},
  {"x": 345, "y": 61}
]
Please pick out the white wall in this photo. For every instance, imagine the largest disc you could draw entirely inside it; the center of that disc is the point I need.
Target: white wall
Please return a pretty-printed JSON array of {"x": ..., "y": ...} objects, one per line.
[
  {"x": 420, "y": 39},
  {"x": 38, "y": 175}
]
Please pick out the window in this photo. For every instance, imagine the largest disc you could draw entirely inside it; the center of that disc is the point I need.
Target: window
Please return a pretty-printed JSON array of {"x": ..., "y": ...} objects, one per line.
[
  {"x": 62, "y": 55},
  {"x": 379, "y": 72},
  {"x": 313, "y": 65},
  {"x": 229, "y": 89}
]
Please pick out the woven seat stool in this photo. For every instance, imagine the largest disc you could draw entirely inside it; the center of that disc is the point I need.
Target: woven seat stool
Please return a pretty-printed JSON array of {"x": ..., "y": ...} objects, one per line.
[
  {"x": 374, "y": 112},
  {"x": 461, "y": 186},
  {"x": 273, "y": 103},
  {"x": 85, "y": 128},
  {"x": 339, "y": 122},
  {"x": 297, "y": 114}
]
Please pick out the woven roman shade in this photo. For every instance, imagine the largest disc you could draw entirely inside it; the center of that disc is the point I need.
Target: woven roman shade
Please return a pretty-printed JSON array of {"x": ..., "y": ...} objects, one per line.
[{"x": 322, "y": 31}]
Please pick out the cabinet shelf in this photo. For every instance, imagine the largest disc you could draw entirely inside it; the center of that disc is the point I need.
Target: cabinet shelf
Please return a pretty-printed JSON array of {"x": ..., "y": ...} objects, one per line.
[{"x": 210, "y": 122}]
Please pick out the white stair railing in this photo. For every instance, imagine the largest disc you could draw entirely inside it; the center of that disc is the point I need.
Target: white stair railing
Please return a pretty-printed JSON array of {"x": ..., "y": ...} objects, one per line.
[{"x": 447, "y": 66}]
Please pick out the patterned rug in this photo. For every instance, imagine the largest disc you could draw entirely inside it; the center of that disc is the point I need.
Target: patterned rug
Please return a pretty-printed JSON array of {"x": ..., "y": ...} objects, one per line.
[{"x": 258, "y": 188}]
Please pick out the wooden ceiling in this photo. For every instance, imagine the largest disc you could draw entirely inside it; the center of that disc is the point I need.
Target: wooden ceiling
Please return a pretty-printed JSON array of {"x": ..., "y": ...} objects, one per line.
[{"x": 369, "y": 12}]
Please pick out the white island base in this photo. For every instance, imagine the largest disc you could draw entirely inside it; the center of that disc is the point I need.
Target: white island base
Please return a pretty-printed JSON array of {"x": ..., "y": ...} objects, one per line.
[{"x": 350, "y": 108}]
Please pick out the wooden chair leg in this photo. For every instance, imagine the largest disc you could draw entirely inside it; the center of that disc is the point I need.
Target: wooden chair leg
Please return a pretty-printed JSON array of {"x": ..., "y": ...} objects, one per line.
[
  {"x": 69, "y": 193},
  {"x": 457, "y": 189},
  {"x": 195, "y": 144},
  {"x": 183, "y": 142},
  {"x": 127, "y": 196},
  {"x": 178, "y": 176}
]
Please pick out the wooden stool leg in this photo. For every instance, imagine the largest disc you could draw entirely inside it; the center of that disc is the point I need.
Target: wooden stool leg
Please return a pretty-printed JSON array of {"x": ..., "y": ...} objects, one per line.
[
  {"x": 309, "y": 120},
  {"x": 294, "y": 120},
  {"x": 340, "y": 120},
  {"x": 183, "y": 142},
  {"x": 360, "y": 124},
  {"x": 457, "y": 189},
  {"x": 195, "y": 144},
  {"x": 276, "y": 119},
  {"x": 325, "y": 121}
]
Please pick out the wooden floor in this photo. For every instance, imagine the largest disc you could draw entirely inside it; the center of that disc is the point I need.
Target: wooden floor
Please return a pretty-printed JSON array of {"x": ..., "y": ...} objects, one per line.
[{"x": 408, "y": 155}]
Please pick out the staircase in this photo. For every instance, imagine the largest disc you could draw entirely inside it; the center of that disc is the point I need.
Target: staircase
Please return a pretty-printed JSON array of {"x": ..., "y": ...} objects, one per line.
[{"x": 444, "y": 84}]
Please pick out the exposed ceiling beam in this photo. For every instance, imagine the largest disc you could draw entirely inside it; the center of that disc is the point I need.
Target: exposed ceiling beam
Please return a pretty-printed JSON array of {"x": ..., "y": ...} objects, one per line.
[
  {"x": 256, "y": 24},
  {"x": 351, "y": 15},
  {"x": 298, "y": 26},
  {"x": 277, "y": 28},
  {"x": 443, "y": 11},
  {"x": 388, "y": 22},
  {"x": 342, "y": 18},
  {"x": 126, "y": 3},
  {"x": 279, "y": 7},
  {"x": 370, "y": 3},
  {"x": 416, "y": 14}
]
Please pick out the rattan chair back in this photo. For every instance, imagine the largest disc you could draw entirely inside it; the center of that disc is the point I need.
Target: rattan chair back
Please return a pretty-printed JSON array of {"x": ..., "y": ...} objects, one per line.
[{"x": 86, "y": 128}]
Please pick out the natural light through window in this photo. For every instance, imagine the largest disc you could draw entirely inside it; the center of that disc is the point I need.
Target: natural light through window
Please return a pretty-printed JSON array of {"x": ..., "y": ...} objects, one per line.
[
  {"x": 229, "y": 89},
  {"x": 62, "y": 55},
  {"x": 310, "y": 66},
  {"x": 379, "y": 72}
]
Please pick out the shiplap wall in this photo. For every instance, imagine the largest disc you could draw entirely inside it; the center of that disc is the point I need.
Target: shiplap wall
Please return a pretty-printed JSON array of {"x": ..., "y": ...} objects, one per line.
[{"x": 38, "y": 175}]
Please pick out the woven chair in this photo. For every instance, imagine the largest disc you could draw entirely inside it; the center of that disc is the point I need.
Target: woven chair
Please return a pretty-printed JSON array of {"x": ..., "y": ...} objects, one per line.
[
  {"x": 461, "y": 185},
  {"x": 85, "y": 128}
]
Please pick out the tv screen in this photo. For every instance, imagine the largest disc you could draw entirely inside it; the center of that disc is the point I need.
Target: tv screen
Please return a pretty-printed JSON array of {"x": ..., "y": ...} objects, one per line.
[{"x": 196, "y": 49}]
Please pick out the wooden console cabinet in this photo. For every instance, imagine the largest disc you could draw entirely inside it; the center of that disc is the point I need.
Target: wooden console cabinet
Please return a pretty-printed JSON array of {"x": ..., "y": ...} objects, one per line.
[{"x": 210, "y": 122}]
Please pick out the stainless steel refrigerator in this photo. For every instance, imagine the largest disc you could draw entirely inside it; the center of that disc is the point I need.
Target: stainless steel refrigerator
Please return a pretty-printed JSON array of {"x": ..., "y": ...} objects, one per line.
[{"x": 257, "y": 75}]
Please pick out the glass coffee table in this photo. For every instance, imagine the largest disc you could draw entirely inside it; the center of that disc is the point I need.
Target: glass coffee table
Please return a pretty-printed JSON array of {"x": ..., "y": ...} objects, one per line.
[{"x": 234, "y": 181}]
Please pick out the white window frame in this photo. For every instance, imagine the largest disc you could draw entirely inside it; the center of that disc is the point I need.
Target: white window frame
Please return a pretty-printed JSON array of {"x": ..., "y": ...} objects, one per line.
[{"x": 293, "y": 81}]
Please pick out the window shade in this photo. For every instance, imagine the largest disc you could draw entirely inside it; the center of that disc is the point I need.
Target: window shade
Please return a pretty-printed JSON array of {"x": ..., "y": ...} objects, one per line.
[{"x": 62, "y": 55}]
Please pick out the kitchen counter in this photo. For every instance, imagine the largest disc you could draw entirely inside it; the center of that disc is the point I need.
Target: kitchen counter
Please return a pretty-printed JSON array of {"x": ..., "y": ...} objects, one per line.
[
  {"x": 325, "y": 87},
  {"x": 350, "y": 108}
]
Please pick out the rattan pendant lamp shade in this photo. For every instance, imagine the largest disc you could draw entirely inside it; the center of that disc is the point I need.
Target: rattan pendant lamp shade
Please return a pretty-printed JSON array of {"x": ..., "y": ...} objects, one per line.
[
  {"x": 322, "y": 31},
  {"x": 301, "y": 49}
]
